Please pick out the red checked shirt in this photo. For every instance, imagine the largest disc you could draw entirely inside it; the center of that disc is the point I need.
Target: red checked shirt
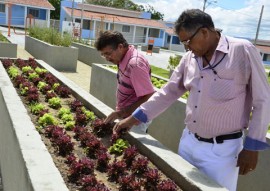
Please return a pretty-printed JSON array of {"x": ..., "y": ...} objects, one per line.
[
  {"x": 219, "y": 103},
  {"x": 134, "y": 79}
]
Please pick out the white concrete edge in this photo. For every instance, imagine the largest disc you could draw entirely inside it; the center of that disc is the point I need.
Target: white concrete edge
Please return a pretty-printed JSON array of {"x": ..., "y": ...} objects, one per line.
[{"x": 40, "y": 167}]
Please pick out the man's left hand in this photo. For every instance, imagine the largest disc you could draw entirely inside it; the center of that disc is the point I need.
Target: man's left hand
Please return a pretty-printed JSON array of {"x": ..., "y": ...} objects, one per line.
[{"x": 247, "y": 161}]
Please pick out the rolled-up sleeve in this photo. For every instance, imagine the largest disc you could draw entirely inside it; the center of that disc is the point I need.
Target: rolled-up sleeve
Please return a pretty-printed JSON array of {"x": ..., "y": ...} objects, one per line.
[{"x": 260, "y": 93}]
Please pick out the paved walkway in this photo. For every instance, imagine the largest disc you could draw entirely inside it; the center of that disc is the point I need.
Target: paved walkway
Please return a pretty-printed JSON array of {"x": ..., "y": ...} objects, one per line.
[{"x": 83, "y": 75}]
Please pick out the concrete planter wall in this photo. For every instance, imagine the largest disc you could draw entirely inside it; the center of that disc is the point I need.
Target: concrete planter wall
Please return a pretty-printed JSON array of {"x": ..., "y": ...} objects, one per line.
[
  {"x": 26, "y": 165},
  {"x": 60, "y": 58},
  {"x": 89, "y": 55},
  {"x": 159, "y": 127},
  {"x": 167, "y": 128},
  {"x": 8, "y": 50}
]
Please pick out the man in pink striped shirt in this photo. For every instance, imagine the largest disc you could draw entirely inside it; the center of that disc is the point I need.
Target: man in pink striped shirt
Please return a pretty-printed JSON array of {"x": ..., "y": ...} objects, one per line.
[
  {"x": 227, "y": 82},
  {"x": 134, "y": 74}
]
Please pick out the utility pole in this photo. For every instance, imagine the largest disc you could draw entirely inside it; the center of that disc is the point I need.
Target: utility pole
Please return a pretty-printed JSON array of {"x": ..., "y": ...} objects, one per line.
[
  {"x": 72, "y": 12},
  {"x": 81, "y": 27},
  {"x": 258, "y": 27},
  {"x": 208, "y": 3},
  {"x": 204, "y": 3}
]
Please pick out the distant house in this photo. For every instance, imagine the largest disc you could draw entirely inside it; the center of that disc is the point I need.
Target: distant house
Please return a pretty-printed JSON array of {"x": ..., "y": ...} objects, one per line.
[
  {"x": 137, "y": 27},
  {"x": 20, "y": 10},
  {"x": 264, "y": 47}
]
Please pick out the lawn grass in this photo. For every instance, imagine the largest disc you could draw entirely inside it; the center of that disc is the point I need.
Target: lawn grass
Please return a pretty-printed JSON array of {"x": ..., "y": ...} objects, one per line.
[
  {"x": 267, "y": 67},
  {"x": 160, "y": 71},
  {"x": 3, "y": 38}
]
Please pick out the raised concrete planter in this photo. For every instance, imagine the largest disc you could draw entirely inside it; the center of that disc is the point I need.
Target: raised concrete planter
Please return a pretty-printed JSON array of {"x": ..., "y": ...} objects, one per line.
[
  {"x": 155, "y": 49},
  {"x": 26, "y": 165},
  {"x": 60, "y": 58},
  {"x": 89, "y": 55},
  {"x": 8, "y": 50},
  {"x": 167, "y": 127}
]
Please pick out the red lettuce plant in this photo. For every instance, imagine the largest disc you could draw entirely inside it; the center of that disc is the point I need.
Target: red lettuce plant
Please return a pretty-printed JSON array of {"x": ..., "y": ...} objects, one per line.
[
  {"x": 6, "y": 63},
  {"x": 75, "y": 104},
  {"x": 49, "y": 95},
  {"x": 116, "y": 169},
  {"x": 63, "y": 91},
  {"x": 78, "y": 169},
  {"x": 152, "y": 179},
  {"x": 129, "y": 155},
  {"x": 102, "y": 161},
  {"x": 140, "y": 165},
  {"x": 129, "y": 183},
  {"x": 20, "y": 63},
  {"x": 50, "y": 79},
  {"x": 167, "y": 185},
  {"x": 32, "y": 63}
]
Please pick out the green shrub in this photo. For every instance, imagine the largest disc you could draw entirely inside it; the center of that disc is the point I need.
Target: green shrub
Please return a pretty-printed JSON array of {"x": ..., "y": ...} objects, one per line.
[
  {"x": 51, "y": 36},
  {"x": 174, "y": 61},
  {"x": 3, "y": 38}
]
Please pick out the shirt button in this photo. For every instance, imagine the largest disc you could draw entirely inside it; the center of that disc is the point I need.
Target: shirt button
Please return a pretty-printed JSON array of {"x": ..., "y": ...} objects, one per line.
[{"x": 194, "y": 121}]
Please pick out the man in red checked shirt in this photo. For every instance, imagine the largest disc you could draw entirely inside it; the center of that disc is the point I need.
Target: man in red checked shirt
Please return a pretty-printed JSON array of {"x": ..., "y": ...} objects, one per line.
[{"x": 134, "y": 74}]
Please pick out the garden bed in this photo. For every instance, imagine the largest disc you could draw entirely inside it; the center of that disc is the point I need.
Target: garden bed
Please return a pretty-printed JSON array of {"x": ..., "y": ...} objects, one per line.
[
  {"x": 166, "y": 161},
  {"x": 74, "y": 149}
]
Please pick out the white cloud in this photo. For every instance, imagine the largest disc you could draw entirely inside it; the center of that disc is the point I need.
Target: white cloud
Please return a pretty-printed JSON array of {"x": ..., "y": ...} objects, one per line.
[{"x": 241, "y": 23}]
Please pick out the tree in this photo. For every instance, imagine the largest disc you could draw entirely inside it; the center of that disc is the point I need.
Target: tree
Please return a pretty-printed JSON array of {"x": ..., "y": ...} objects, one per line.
[
  {"x": 154, "y": 14},
  {"x": 56, "y": 13},
  {"x": 127, "y": 4}
]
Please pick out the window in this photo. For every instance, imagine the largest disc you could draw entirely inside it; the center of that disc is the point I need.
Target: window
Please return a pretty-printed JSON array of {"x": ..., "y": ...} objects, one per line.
[
  {"x": 86, "y": 24},
  {"x": 125, "y": 28},
  {"x": 111, "y": 26},
  {"x": 34, "y": 12},
  {"x": 2, "y": 8},
  {"x": 77, "y": 20}
]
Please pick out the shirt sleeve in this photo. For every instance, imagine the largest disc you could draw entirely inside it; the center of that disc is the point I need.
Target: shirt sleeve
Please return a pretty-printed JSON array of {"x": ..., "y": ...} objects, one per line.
[
  {"x": 163, "y": 98},
  {"x": 141, "y": 79},
  {"x": 260, "y": 93}
]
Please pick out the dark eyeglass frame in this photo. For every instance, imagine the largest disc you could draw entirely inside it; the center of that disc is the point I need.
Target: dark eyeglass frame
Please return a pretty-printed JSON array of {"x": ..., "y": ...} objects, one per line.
[{"x": 187, "y": 42}]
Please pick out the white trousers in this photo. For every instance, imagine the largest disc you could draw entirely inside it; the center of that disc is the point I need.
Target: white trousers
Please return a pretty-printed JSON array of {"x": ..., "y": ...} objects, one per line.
[{"x": 217, "y": 161}]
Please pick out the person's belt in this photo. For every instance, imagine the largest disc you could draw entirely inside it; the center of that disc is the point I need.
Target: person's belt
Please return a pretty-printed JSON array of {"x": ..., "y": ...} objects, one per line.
[{"x": 221, "y": 138}]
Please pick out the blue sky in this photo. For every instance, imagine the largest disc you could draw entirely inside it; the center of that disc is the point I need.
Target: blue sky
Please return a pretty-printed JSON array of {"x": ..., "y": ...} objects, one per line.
[{"x": 236, "y": 17}]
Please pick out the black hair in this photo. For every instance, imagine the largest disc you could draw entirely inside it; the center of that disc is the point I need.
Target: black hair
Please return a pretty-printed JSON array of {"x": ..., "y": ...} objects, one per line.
[
  {"x": 110, "y": 38},
  {"x": 191, "y": 19}
]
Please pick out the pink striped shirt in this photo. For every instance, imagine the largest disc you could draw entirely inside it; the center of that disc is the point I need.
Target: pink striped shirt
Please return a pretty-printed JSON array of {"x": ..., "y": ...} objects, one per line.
[
  {"x": 218, "y": 103},
  {"x": 134, "y": 79}
]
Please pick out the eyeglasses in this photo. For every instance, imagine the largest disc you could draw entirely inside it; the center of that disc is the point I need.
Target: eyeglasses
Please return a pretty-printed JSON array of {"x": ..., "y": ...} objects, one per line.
[
  {"x": 187, "y": 42},
  {"x": 107, "y": 54}
]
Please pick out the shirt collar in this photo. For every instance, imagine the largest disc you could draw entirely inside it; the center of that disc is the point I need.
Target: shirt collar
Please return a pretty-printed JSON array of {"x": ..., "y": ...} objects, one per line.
[
  {"x": 223, "y": 45},
  {"x": 123, "y": 63}
]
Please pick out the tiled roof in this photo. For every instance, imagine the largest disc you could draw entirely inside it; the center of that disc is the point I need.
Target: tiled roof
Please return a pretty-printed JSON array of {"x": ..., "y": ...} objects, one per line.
[
  {"x": 117, "y": 19},
  {"x": 264, "y": 49},
  {"x": 35, "y": 3},
  {"x": 170, "y": 31}
]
